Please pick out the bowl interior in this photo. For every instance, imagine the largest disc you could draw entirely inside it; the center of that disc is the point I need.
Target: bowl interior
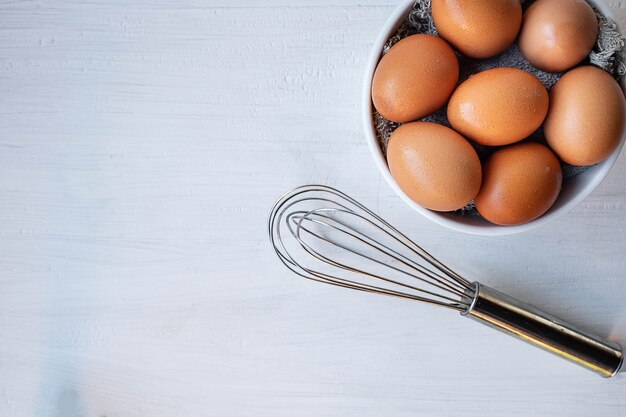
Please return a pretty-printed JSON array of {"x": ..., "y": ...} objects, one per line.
[{"x": 575, "y": 189}]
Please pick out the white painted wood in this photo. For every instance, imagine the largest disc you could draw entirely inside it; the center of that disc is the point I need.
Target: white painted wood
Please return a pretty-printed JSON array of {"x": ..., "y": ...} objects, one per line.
[{"x": 141, "y": 147}]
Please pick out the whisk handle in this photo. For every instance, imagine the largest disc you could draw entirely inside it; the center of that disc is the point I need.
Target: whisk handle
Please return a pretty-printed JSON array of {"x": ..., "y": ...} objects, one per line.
[{"x": 543, "y": 330}]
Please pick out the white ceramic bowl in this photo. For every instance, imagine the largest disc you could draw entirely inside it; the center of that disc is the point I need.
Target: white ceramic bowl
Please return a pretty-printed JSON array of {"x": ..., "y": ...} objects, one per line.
[{"x": 575, "y": 189}]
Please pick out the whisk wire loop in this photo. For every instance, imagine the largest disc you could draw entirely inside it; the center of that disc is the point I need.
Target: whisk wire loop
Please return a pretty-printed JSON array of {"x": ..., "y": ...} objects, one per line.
[
  {"x": 293, "y": 218},
  {"x": 438, "y": 281}
]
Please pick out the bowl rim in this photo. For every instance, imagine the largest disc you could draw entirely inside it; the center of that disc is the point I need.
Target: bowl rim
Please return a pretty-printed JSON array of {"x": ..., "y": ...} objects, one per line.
[{"x": 600, "y": 170}]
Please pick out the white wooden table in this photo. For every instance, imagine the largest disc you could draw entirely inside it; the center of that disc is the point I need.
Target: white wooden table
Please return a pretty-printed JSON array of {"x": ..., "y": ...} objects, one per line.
[{"x": 141, "y": 147}]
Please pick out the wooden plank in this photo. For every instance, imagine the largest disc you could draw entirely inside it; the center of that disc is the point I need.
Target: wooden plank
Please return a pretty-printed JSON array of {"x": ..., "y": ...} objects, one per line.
[{"x": 141, "y": 148}]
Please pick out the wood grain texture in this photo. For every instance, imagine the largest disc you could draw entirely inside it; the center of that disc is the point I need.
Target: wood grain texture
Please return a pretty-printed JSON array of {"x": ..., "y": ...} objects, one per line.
[{"x": 141, "y": 147}]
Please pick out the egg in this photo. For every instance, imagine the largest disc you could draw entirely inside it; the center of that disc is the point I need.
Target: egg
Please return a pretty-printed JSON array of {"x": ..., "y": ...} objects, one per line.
[
  {"x": 434, "y": 165},
  {"x": 415, "y": 78},
  {"x": 585, "y": 123},
  {"x": 558, "y": 34},
  {"x": 520, "y": 183},
  {"x": 478, "y": 29},
  {"x": 499, "y": 106}
]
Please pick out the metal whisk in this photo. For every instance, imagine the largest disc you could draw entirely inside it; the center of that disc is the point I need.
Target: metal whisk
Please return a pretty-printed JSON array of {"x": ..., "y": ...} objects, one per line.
[{"x": 324, "y": 235}]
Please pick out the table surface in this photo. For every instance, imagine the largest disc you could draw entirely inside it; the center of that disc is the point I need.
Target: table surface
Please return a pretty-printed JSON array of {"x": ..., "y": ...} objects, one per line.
[{"x": 142, "y": 145}]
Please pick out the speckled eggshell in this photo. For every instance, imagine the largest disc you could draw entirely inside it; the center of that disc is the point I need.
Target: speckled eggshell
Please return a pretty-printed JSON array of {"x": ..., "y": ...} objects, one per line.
[
  {"x": 499, "y": 106},
  {"x": 435, "y": 166},
  {"x": 586, "y": 119},
  {"x": 520, "y": 183},
  {"x": 558, "y": 34},
  {"x": 415, "y": 78},
  {"x": 478, "y": 28}
]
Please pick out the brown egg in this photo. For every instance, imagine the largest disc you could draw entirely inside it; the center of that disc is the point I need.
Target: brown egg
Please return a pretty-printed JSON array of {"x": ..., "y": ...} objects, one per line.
[
  {"x": 435, "y": 166},
  {"x": 498, "y": 106},
  {"x": 558, "y": 34},
  {"x": 478, "y": 28},
  {"x": 586, "y": 119},
  {"x": 520, "y": 183},
  {"x": 415, "y": 78}
]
